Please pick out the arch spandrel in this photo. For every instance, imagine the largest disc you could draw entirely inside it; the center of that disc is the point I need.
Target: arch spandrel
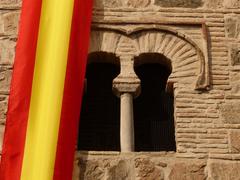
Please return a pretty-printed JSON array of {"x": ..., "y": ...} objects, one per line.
[{"x": 189, "y": 63}]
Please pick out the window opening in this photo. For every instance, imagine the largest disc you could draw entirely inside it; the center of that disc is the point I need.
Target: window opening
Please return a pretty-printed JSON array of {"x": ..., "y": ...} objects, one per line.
[
  {"x": 154, "y": 110},
  {"x": 100, "y": 114}
]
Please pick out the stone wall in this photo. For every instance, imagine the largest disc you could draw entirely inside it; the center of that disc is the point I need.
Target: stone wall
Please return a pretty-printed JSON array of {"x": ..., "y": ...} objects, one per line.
[
  {"x": 207, "y": 104},
  {"x": 9, "y": 16},
  {"x": 151, "y": 166}
]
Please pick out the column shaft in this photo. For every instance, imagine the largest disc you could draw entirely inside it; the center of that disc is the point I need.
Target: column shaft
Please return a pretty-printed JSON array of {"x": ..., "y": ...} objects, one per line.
[{"x": 127, "y": 123}]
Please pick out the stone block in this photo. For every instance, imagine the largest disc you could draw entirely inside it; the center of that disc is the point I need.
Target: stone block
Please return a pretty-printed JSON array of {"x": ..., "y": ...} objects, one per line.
[
  {"x": 121, "y": 3},
  {"x": 91, "y": 170},
  {"x": 1, "y": 137},
  {"x": 224, "y": 171},
  {"x": 10, "y": 23},
  {"x": 76, "y": 169},
  {"x": 234, "y": 54},
  {"x": 3, "y": 109},
  {"x": 232, "y": 26},
  {"x": 213, "y": 4},
  {"x": 183, "y": 171},
  {"x": 9, "y": 2},
  {"x": 107, "y": 3},
  {"x": 231, "y": 3},
  {"x": 230, "y": 113},
  {"x": 138, "y": 3},
  {"x": 7, "y": 51},
  {"x": 179, "y": 3},
  {"x": 120, "y": 171},
  {"x": 235, "y": 83},
  {"x": 146, "y": 169},
  {"x": 5, "y": 80},
  {"x": 234, "y": 137},
  {"x": 1, "y": 25}
]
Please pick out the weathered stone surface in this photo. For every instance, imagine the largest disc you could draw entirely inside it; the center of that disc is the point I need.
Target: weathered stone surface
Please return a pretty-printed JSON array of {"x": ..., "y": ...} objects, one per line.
[
  {"x": 7, "y": 51},
  {"x": 213, "y": 4},
  {"x": 183, "y": 171},
  {"x": 10, "y": 23},
  {"x": 179, "y": 3},
  {"x": 232, "y": 26},
  {"x": 232, "y": 3},
  {"x": 146, "y": 169},
  {"x": 91, "y": 170},
  {"x": 1, "y": 136},
  {"x": 76, "y": 170},
  {"x": 234, "y": 137},
  {"x": 235, "y": 55},
  {"x": 9, "y": 2},
  {"x": 224, "y": 171},
  {"x": 108, "y": 3},
  {"x": 122, "y": 3},
  {"x": 3, "y": 108},
  {"x": 139, "y": 167},
  {"x": 120, "y": 171},
  {"x": 235, "y": 82},
  {"x": 5, "y": 80},
  {"x": 138, "y": 3},
  {"x": 230, "y": 113}
]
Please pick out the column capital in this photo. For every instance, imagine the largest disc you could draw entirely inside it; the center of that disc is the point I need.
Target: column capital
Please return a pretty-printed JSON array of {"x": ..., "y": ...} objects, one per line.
[
  {"x": 126, "y": 85},
  {"x": 127, "y": 81}
]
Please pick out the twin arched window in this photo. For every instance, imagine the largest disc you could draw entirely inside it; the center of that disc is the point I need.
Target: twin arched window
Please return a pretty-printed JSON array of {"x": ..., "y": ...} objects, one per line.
[{"x": 153, "y": 110}]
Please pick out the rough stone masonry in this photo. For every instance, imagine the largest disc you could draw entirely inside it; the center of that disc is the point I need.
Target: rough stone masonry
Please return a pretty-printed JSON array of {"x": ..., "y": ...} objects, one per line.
[{"x": 202, "y": 40}]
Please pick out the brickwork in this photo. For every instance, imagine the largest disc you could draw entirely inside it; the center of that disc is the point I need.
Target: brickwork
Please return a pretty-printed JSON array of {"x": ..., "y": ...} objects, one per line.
[{"x": 202, "y": 40}]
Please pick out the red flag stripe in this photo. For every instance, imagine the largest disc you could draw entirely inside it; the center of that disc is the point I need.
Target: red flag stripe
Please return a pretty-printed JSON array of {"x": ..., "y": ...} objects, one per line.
[
  {"x": 72, "y": 98},
  {"x": 20, "y": 92}
]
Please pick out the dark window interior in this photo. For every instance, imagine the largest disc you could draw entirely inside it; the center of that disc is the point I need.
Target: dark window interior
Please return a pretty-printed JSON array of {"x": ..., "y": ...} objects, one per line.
[
  {"x": 100, "y": 115},
  {"x": 153, "y": 110}
]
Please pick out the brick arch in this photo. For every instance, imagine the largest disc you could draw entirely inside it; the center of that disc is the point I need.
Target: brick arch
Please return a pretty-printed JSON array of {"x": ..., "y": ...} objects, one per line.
[{"x": 187, "y": 62}]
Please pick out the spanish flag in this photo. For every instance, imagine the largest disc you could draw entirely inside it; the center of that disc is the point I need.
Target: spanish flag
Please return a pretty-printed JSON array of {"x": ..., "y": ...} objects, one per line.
[{"x": 46, "y": 90}]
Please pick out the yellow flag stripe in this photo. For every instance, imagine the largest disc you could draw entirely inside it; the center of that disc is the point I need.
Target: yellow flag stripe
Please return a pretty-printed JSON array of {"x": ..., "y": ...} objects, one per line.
[{"x": 47, "y": 90}]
